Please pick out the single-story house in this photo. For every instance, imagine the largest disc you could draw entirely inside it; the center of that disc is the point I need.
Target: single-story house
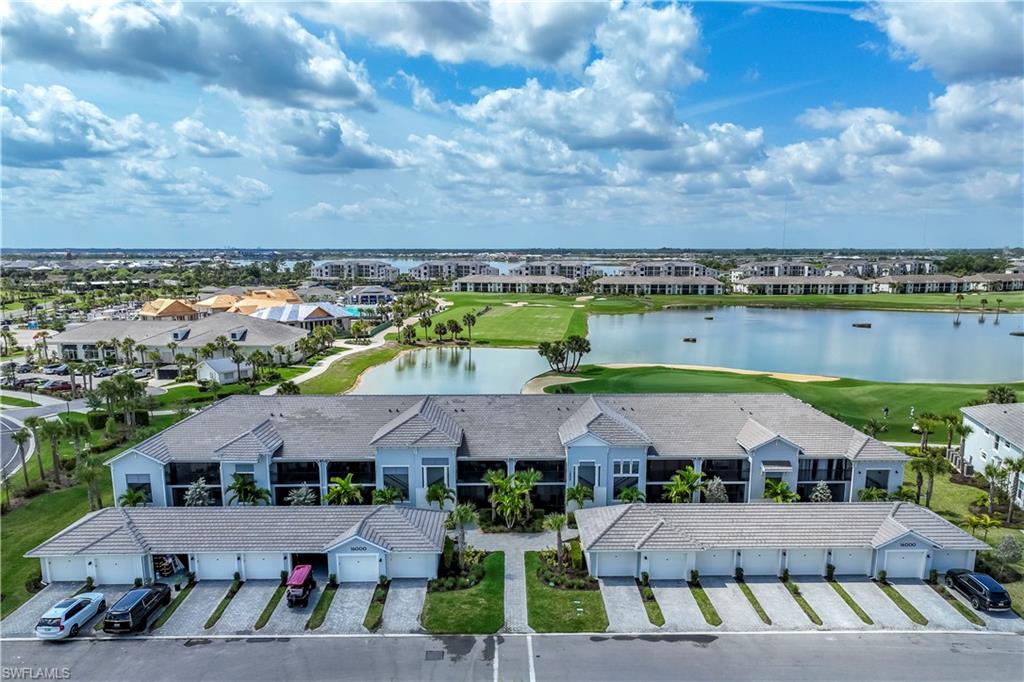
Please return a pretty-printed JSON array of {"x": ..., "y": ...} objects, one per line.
[
  {"x": 996, "y": 437},
  {"x": 514, "y": 284},
  {"x": 667, "y": 541},
  {"x": 369, "y": 295},
  {"x": 309, "y": 316},
  {"x": 646, "y": 285},
  {"x": 357, "y": 543},
  {"x": 168, "y": 309},
  {"x": 222, "y": 370}
]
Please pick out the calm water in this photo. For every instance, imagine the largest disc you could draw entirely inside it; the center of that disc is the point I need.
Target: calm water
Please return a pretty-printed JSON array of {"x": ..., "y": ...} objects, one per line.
[{"x": 903, "y": 347}]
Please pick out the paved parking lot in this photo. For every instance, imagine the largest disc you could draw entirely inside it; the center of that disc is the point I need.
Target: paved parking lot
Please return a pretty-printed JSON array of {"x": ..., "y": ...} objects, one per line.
[
  {"x": 939, "y": 612},
  {"x": 678, "y": 606},
  {"x": 835, "y": 614},
  {"x": 624, "y": 606},
  {"x": 348, "y": 608},
  {"x": 192, "y": 614},
  {"x": 404, "y": 604},
  {"x": 239, "y": 618},
  {"x": 876, "y": 604},
  {"x": 732, "y": 605},
  {"x": 24, "y": 619},
  {"x": 778, "y": 603}
]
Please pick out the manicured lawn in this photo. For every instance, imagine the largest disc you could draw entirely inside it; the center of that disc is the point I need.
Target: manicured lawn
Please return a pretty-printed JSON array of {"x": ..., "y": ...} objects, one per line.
[
  {"x": 478, "y": 610},
  {"x": 219, "y": 611},
  {"x": 761, "y": 613},
  {"x": 172, "y": 607},
  {"x": 861, "y": 613},
  {"x": 375, "y": 611},
  {"x": 323, "y": 605},
  {"x": 802, "y": 603},
  {"x": 195, "y": 396},
  {"x": 905, "y": 606},
  {"x": 707, "y": 609},
  {"x": 343, "y": 374},
  {"x": 11, "y": 401},
  {"x": 554, "y": 610},
  {"x": 851, "y": 400},
  {"x": 268, "y": 610}
]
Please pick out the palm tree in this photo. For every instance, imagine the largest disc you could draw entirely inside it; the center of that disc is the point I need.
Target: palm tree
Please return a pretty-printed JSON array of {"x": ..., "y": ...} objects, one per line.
[
  {"x": 951, "y": 421},
  {"x": 78, "y": 430},
  {"x": 959, "y": 302},
  {"x": 281, "y": 352},
  {"x": 494, "y": 480},
  {"x": 288, "y": 388},
  {"x": 244, "y": 490},
  {"x": 154, "y": 357},
  {"x": 984, "y": 304},
  {"x": 439, "y": 494},
  {"x": 341, "y": 490},
  {"x": 987, "y": 523},
  {"x": 133, "y": 497},
  {"x": 525, "y": 482},
  {"x": 630, "y": 495},
  {"x": 556, "y": 522},
  {"x": 221, "y": 343},
  {"x": 926, "y": 422},
  {"x": 1016, "y": 467},
  {"x": 303, "y": 496},
  {"x": 238, "y": 358},
  {"x": 1001, "y": 394},
  {"x": 33, "y": 423},
  {"x": 578, "y": 346},
  {"x": 918, "y": 465},
  {"x": 52, "y": 431},
  {"x": 994, "y": 474},
  {"x": 387, "y": 496},
  {"x": 469, "y": 319},
  {"x": 461, "y": 516},
  {"x": 933, "y": 464},
  {"x": 90, "y": 471},
  {"x": 962, "y": 431},
  {"x": 874, "y": 426},
  {"x": 20, "y": 437},
  {"x": 777, "y": 490},
  {"x": 871, "y": 495},
  {"x": 972, "y": 523},
  {"x": 579, "y": 495},
  {"x": 999, "y": 302},
  {"x": 683, "y": 485},
  {"x": 426, "y": 323}
]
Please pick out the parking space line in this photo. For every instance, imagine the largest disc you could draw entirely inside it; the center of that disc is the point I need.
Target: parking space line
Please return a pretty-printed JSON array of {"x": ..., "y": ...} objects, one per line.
[
  {"x": 529, "y": 654},
  {"x": 497, "y": 675}
]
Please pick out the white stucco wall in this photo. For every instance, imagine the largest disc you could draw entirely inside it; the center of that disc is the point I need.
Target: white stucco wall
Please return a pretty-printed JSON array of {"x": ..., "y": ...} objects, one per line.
[{"x": 134, "y": 463}]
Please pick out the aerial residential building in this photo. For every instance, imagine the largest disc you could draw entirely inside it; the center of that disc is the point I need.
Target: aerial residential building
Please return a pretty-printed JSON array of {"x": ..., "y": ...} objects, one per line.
[
  {"x": 649, "y": 285},
  {"x": 778, "y": 268},
  {"x": 263, "y": 298},
  {"x": 309, "y": 316},
  {"x": 168, "y": 309},
  {"x": 995, "y": 281},
  {"x": 347, "y": 270},
  {"x": 824, "y": 284},
  {"x": 919, "y": 284},
  {"x": 608, "y": 444},
  {"x": 996, "y": 437},
  {"x": 223, "y": 371},
  {"x": 515, "y": 284},
  {"x": 370, "y": 294},
  {"x": 560, "y": 268},
  {"x": 216, "y": 303},
  {"x": 669, "y": 268},
  {"x": 896, "y": 267},
  {"x": 451, "y": 269}
]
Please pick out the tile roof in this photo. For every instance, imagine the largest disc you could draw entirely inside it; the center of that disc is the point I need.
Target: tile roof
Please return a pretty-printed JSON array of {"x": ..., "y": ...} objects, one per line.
[
  {"x": 610, "y": 426},
  {"x": 246, "y": 529},
  {"x": 711, "y": 526},
  {"x": 300, "y": 312},
  {"x": 661, "y": 279},
  {"x": 812, "y": 279},
  {"x": 199, "y": 332},
  {"x": 516, "y": 279},
  {"x": 501, "y": 426},
  {"x": 1006, "y": 420}
]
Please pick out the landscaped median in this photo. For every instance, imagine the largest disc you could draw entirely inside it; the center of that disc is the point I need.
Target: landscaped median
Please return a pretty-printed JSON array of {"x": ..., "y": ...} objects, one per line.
[
  {"x": 476, "y": 610},
  {"x": 236, "y": 585},
  {"x": 651, "y": 605},
  {"x": 173, "y": 606},
  {"x": 707, "y": 609},
  {"x": 900, "y": 601},
  {"x": 375, "y": 612},
  {"x": 958, "y": 605},
  {"x": 272, "y": 603},
  {"x": 854, "y": 606},
  {"x": 551, "y": 608},
  {"x": 323, "y": 605},
  {"x": 794, "y": 591},
  {"x": 749, "y": 594}
]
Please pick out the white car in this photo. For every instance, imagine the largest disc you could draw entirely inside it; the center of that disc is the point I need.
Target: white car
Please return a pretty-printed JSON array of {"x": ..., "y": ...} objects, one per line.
[
  {"x": 139, "y": 373},
  {"x": 68, "y": 616}
]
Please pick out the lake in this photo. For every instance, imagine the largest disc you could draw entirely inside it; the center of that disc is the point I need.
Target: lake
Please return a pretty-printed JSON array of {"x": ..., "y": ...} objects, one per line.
[{"x": 899, "y": 346}]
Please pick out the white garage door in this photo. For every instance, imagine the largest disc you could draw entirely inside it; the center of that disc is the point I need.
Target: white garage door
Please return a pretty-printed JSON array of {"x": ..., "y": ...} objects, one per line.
[
  {"x": 358, "y": 568},
  {"x": 760, "y": 562},
  {"x": 264, "y": 565},
  {"x": 411, "y": 565},
  {"x": 611, "y": 564},
  {"x": 715, "y": 562},
  {"x": 945, "y": 559},
  {"x": 67, "y": 569},
  {"x": 852, "y": 561},
  {"x": 666, "y": 565},
  {"x": 901, "y": 564},
  {"x": 117, "y": 570},
  {"x": 218, "y": 566},
  {"x": 806, "y": 561}
]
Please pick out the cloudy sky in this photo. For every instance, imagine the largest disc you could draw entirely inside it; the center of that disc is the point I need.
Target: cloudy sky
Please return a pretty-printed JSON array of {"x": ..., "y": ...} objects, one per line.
[{"x": 512, "y": 125}]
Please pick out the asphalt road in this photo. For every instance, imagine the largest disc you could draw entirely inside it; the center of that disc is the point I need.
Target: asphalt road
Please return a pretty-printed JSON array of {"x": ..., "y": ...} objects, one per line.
[
  {"x": 911, "y": 657},
  {"x": 9, "y": 460}
]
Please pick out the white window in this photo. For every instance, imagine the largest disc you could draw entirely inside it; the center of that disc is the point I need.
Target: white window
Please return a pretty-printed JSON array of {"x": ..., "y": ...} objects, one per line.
[
  {"x": 139, "y": 482},
  {"x": 435, "y": 474},
  {"x": 996, "y": 446},
  {"x": 625, "y": 474},
  {"x": 587, "y": 474},
  {"x": 246, "y": 470}
]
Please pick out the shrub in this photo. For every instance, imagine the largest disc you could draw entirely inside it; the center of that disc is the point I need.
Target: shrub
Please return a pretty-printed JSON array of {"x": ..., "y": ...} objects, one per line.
[
  {"x": 695, "y": 576},
  {"x": 1008, "y": 551},
  {"x": 830, "y": 572},
  {"x": 284, "y": 577},
  {"x": 34, "y": 584},
  {"x": 89, "y": 584},
  {"x": 448, "y": 552},
  {"x": 96, "y": 420},
  {"x": 332, "y": 580},
  {"x": 576, "y": 554},
  {"x": 1004, "y": 573},
  {"x": 648, "y": 594},
  {"x": 34, "y": 488},
  {"x": 933, "y": 577},
  {"x": 882, "y": 575},
  {"x": 785, "y": 575},
  {"x": 645, "y": 578},
  {"x": 138, "y": 582},
  {"x": 191, "y": 575},
  {"x": 237, "y": 576},
  {"x": 739, "y": 574}
]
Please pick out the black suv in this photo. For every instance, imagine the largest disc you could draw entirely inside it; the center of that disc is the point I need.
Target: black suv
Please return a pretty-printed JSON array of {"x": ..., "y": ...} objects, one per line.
[
  {"x": 132, "y": 611},
  {"x": 984, "y": 593}
]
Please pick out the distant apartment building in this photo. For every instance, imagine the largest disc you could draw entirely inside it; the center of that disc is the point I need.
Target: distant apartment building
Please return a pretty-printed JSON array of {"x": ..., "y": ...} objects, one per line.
[
  {"x": 797, "y": 286},
  {"x": 995, "y": 281},
  {"x": 555, "y": 268},
  {"x": 777, "y": 268},
  {"x": 919, "y": 284},
  {"x": 369, "y": 295},
  {"x": 633, "y": 285},
  {"x": 368, "y": 270},
  {"x": 451, "y": 269},
  {"x": 514, "y": 284},
  {"x": 896, "y": 267},
  {"x": 669, "y": 268}
]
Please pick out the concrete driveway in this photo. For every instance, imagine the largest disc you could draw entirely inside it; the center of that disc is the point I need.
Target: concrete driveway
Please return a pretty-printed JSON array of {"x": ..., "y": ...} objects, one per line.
[
  {"x": 678, "y": 606},
  {"x": 939, "y": 612},
  {"x": 778, "y": 603},
  {"x": 348, "y": 608},
  {"x": 732, "y": 605},
  {"x": 23, "y": 620},
  {"x": 404, "y": 604},
  {"x": 876, "y": 604},
  {"x": 624, "y": 606},
  {"x": 288, "y": 620},
  {"x": 239, "y": 618},
  {"x": 998, "y": 621},
  {"x": 835, "y": 614},
  {"x": 192, "y": 614}
]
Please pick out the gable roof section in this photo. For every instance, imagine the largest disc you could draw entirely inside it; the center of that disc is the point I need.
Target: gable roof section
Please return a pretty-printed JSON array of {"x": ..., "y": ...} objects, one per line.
[
  {"x": 598, "y": 419},
  {"x": 1006, "y": 421},
  {"x": 251, "y": 445},
  {"x": 424, "y": 424},
  {"x": 754, "y": 434}
]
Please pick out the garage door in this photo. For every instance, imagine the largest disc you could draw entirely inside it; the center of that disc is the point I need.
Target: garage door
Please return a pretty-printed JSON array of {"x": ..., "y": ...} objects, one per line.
[
  {"x": 666, "y": 565},
  {"x": 806, "y": 561},
  {"x": 945, "y": 559},
  {"x": 610, "y": 564},
  {"x": 900, "y": 564},
  {"x": 220, "y": 566},
  {"x": 67, "y": 569},
  {"x": 852, "y": 561},
  {"x": 760, "y": 562},
  {"x": 117, "y": 570},
  {"x": 715, "y": 562},
  {"x": 411, "y": 565},
  {"x": 263, "y": 565},
  {"x": 358, "y": 568}
]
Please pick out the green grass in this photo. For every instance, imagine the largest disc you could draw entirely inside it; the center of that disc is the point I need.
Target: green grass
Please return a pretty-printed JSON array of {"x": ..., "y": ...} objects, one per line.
[
  {"x": 375, "y": 611},
  {"x": 959, "y": 605},
  {"x": 478, "y": 610},
  {"x": 854, "y": 606},
  {"x": 853, "y": 401},
  {"x": 905, "y": 606},
  {"x": 707, "y": 609},
  {"x": 219, "y": 611},
  {"x": 11, "y": 401},
  {"x": 323, "y": 605},
  {"x": 172, "y": 607},
  {"x": 195, "y": 396},
  {"x": 761, "y": 613},
  {"x": 343, "y": 374},
  {"x": 268, "y": 610},
  {"x": 553, "y": 610},
  {"x": 794, "y": 591},
  {"x": 653, "y": 608}
]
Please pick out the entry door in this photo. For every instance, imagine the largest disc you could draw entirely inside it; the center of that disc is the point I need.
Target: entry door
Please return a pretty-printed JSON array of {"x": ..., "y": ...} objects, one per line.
[{"x": 358, "y": 568}]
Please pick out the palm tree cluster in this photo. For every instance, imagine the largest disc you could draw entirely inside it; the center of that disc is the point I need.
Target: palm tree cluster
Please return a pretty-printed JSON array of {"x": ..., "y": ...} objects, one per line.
[
  {"x": 120, "y": 394},
  {"x": 564, "y": 356},
  {"x": 510, "y": 496}
]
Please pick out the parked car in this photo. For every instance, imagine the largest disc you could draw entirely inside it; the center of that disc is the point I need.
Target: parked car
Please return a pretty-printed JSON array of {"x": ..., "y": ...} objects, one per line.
[
  {"x": 8, "y": 366},
  {"x": 68, "y": 616},
  {"x": 132, "y": 611},
  {"x": 103, "y": 372},
  {"x": 25, "y": 367},
  {"x": 138, "y": 373},
  {"x": 25, "y": 382},
  {"x": 984, "y": 593},
  {"x": 55, "y": 368},
  {"x": 300, "y": 585},
  {"x": 56, "y": 385}
]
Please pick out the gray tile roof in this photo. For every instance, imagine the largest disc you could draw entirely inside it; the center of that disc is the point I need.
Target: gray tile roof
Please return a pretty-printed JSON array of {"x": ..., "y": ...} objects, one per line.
[
  {"x": 610, "y": 426},
  {"x": 754, "y": 434},
  {"x": 200, "y": 332},
  {"x": 661, "y": 279},
  {"x": 516, "y": 279},
  {"x": 812, "y": 279},
  {"x": 1007, "y": 421},
  {"x": 501, "y": 426},
  {"x": 246, "y": 529},
  {"x": 711, "y": 526}
]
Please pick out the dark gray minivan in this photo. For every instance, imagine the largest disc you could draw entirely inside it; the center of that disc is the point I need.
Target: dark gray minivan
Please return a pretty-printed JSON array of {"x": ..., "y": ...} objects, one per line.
[{"x": 132, "y": 611}]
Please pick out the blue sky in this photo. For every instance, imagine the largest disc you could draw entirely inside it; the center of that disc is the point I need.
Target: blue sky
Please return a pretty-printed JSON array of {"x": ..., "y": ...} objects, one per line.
[{"x": 497, "y": 125}]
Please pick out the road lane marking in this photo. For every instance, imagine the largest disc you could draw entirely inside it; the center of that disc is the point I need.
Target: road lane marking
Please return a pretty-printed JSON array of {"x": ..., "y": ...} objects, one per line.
[
  {"x": 496, "y": 675},
  {"x": 529, "y": 653}
]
